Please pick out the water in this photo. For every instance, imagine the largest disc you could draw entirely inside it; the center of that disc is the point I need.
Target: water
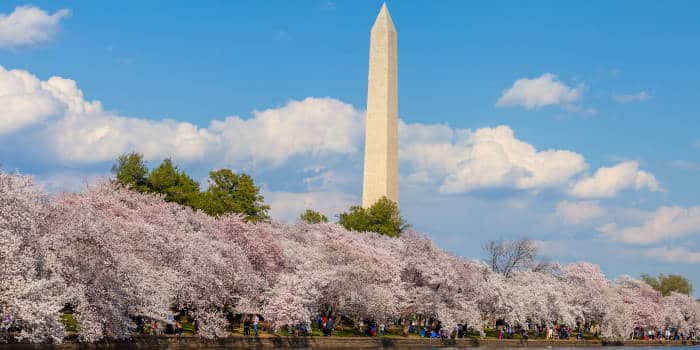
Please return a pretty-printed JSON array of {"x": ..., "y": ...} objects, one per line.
[{"x": 190, "y": 346}]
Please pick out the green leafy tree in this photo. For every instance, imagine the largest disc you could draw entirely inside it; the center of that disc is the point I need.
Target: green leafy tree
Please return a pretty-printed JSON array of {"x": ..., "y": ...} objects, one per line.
[
  {"x": 131, "y": 171},
  {"x": 669, "y": 283},
  {"x": 175, "y": 184},
  {"x": 312, "y": 217},
  {"x": 382, "y": 217},
  {"x": 652, "y": 281},
  {"x": 229, "y": 192}
]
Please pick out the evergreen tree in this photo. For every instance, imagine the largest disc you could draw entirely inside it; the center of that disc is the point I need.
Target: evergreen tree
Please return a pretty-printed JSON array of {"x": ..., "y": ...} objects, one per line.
[
  {"x": 312, "y": 217},
  {"x": 130, "y": 170},
  {"x": 229, "y": 192},
  {"x": 382, "y": 217},
  {"x": 175, "y": 184}
]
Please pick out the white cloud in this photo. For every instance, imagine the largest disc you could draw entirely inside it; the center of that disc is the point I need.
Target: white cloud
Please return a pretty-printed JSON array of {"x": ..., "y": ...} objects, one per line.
[
  {"x": 610, "y": 181},
  {"x": 71, "y": 129},
  {"x": 29, "y": 26},
  {"x": 465, "y": 160},
  {"x": 674, "y": 255},
  {"x": 638, "y": 97},
  {"x": 313, "y": 127},
  {"x": 81, "y": 131},
  {"x": 24, "y": 100},
  {"x": 664, "y": 224},
  {"x": 82, "y": 139},
  {"x": 578, "y": 212},
  {"x": 539, "y": 92},
  {"x": 287, "y": 206}
]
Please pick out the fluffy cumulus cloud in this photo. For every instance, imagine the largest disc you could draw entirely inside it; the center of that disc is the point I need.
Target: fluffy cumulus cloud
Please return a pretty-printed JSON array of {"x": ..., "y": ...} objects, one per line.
[
  {"x": 56, "y": 117},
  {"x": 314, "y": 127},
  {"x": 610, "y": 181},
  {"x": 674, "y": 255},
  {"x": 29, "y": 26},
  {"x": 666, "y": 223},
  {"x": 465, "y": 160},
  {"x": 82, "y": 131},
  {"x": 578, "y": 212},
  {"x": 535, "y": 93},
  {"x": 627, "y": 98},
  {"x": 25, "y": 100}
]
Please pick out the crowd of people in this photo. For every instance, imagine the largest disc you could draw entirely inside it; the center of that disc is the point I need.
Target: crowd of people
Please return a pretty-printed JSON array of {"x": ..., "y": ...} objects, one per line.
[
  {"x": 324, "y": 324},
  {"x": 664, "y": 334},
  {"x": 169, "y": 326}
]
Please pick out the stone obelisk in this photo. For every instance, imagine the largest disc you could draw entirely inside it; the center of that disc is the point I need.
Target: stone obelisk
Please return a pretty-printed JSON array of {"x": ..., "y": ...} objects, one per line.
[{"x": 381, "y": 176}]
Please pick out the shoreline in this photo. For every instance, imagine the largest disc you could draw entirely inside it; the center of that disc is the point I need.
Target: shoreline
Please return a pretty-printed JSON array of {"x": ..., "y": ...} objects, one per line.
[{"x": 237, "y": 342}]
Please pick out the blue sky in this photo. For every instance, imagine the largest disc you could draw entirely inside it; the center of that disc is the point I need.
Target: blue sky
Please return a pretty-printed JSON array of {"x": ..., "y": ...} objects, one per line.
[{"x": 597, "y": 154}]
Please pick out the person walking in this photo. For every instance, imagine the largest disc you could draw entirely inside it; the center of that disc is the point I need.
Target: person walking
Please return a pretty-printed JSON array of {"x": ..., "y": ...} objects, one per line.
[
  {"x": 246, "y": 326},
  {"x": 154, "y": 328},
  {"x": 256, "y": 320},
  {"x": 329, "y": 326}
]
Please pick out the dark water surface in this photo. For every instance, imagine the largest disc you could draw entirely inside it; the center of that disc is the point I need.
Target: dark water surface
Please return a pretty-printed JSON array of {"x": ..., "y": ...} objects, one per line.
[{"x": 134, "y": 346}]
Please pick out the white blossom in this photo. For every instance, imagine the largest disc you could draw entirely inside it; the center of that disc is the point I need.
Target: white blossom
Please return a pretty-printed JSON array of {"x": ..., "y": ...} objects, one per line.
[{"x": 112, "y": 256}]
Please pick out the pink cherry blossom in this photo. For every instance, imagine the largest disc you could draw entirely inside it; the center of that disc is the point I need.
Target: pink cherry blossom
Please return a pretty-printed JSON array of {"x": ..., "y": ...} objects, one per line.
[{"x": 114, "y": 255}]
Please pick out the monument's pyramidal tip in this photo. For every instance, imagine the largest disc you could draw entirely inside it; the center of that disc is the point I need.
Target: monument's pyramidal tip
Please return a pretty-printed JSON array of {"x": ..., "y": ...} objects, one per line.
[{"x": 384, "y": 19}]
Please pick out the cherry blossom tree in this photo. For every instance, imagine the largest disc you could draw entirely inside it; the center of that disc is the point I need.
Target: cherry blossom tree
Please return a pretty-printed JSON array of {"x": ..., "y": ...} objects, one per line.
[
  {"x": 127, "y": 255},
  {"x": 595, "y": 299},
  {"x": 113, "y": 255},
  {"x": 439, "y": 285},
  {"x": 639, "y": 306},
  {"x": 342, "y": 272},
  {"x": 30, "y": 289},
  {"x": 681, "y": 312}
]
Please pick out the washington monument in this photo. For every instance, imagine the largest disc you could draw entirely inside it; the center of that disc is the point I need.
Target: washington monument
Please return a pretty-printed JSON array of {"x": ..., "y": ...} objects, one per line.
[{"x": 382, "y": 130}]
